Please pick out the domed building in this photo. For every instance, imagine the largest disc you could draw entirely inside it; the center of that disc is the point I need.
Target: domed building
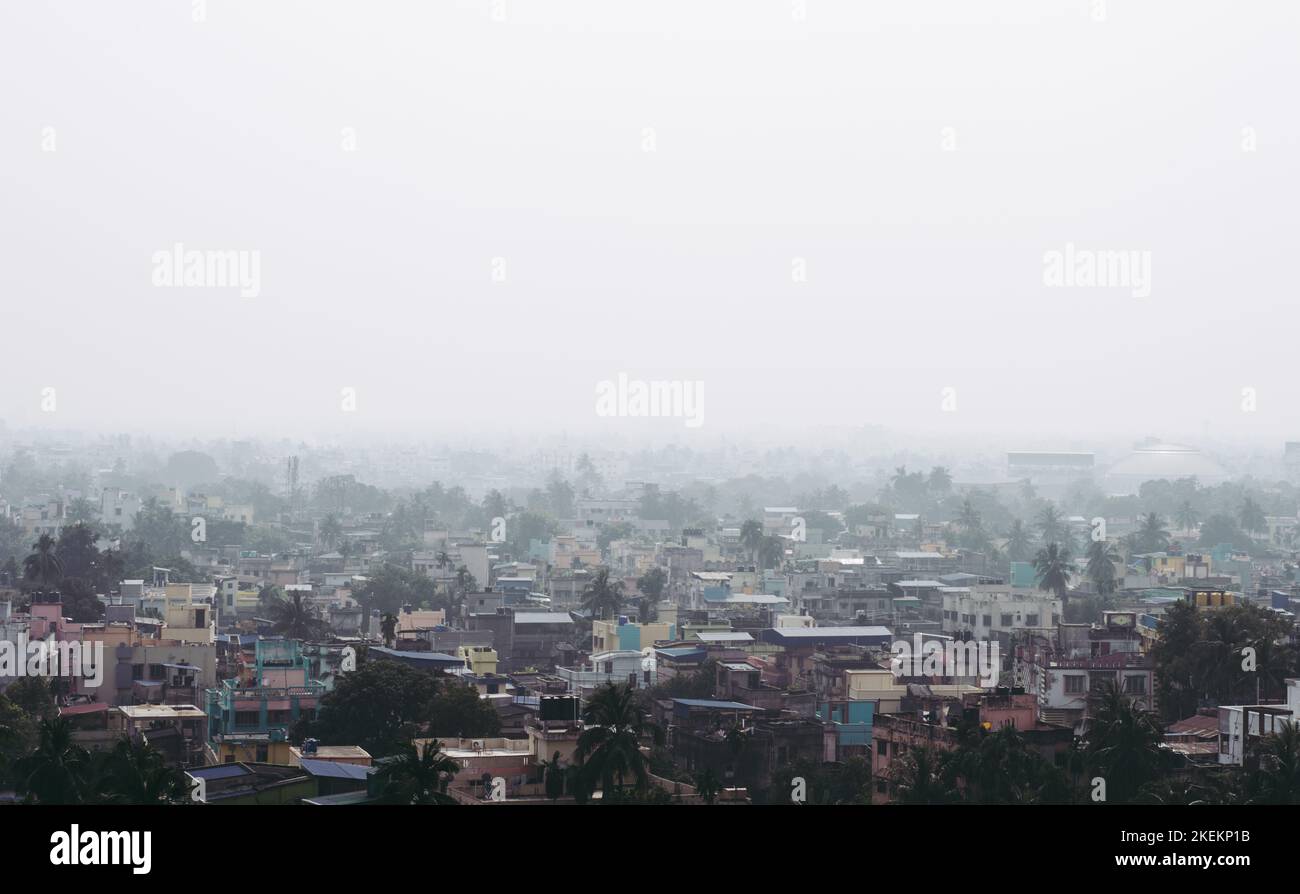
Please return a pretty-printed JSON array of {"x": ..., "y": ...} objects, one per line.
[{"x": 1152, "y": 460}]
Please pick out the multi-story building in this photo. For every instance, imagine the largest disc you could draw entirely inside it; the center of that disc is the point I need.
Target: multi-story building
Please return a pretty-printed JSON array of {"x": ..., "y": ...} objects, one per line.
[
  {"x": 281, "y": 695},
  {"x": 993, "y": 612}
]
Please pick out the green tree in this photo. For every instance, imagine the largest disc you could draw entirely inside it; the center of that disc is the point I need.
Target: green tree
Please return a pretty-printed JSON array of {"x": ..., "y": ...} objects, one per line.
[
  {"x": 1123, "y": 745},
  {"x": 1278, "y": 777},
  {"x": 609, "y": 747},
  {"x": 1052, "y": 567},
  {"x": 1100, "y": 566},
  {"x": 1252, "y": 517},
  {"x": 652, "y": 583},
  {"x": 751, "y": 538},
  {"x": 918, "y": 777},
  {"x": 136, "y": 773},
  {"x": 378, "y": 706},
  {"x": 458, "y": 711},
  {"x": 1018, "y": 546},
  {"x": 297, "y": 619},
  {"x": 56, "y": 771},
  {"x": 603, "y": 597},
  {"x": 1151, "y": 536},
  {"x": 417, "y": 775},
  {"x": 708, "y": 785},
  {"x": 331, "y": 532},
  {"x": 1051, "y": 527},
  {"x": 42, "y": 570}
]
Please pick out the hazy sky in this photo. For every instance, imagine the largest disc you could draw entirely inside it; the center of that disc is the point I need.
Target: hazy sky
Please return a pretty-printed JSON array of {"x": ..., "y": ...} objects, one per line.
[{"x": 649, "y": 173}]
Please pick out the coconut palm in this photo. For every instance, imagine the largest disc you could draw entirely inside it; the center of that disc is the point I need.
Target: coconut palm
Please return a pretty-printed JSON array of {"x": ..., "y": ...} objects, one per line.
[
  {"x": 55, "y": 773},
  {"x": 1152, "y": 535},
  {"x": 296, "y": 618},
  {"x": 603, "y": 597},
  {"x": 42, "y": 569},
  {"x": 136, "y": 773},
  {"x": 1187, "y": 517},
  {"x": 708, "y": 785},
  {"x": 751, "y": 538},
  {"x": 388, "y": 628},
  {"x": 918, "y": 777},
  {"x": 1052, "y": 567},
  {"x": 1051, "y": 528},
  {"x": 554, "y": 775},
  {"x": 1018, "y": 547},
  {"x": 1252, "y": 517},
  {"x": 771, "y": 553},
  {"x": 1101, "y": 566},
  {"x": 1278, "y": 780},
  {"x": 940, "y": 480},
  {"x": 609, "y": 746},
  {"x": 331, "y": 531},
  {"x": 1123, "y": 744},
  {"x": 417, "y": 776}
]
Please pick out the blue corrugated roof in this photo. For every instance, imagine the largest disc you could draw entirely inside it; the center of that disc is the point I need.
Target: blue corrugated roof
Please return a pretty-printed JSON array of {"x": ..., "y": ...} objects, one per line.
[
  {"x": 711, "y": 703},
  {"x": 681, "y": 651},
  {"x": 220, "y": 771},
  {"x": 334, "y": 769}
]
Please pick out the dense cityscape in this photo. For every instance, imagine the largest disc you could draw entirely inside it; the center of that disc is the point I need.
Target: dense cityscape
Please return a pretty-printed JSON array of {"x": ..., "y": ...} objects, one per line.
[
  {"x": 229, "y": 624},
  {"x": 884, "y": 409}
]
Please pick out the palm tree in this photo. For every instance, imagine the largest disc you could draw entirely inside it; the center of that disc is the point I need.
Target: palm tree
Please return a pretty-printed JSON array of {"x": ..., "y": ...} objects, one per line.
[
  {"x": 1017, "y": 542},
  {"x": 1151, "y": 536},
  {"x": 138, "y": 774},
  {"x": 42, "y": 568},
  {"x": 1050, "y": 526},
  {"x": 55, "y": 772},
  {"x": 297, "y": 619},
  {"x": 603, "y": 597},
  {"x": 708, "y": 785},
  {"x": 1278, "y": 780},
  {"x": 918, "y": 778},
  {"x": 969, "y": 518},
  {"x": 1053, "y": 568},
  {"x": 331, "y": 530},
  {"x": 554, "y": 774},
  {"x": 417, "y": 776},
  {"x": 1252, "y": 517},
  {"x": 1101, "y": 566},
  {"x": 388, "y": 627},
  {"x": 609, "y": 746},
  {"x": 1187, "y": 517},
  {"x": 751, "y": 538},
  {"x": 940, "y": 480},
  {"x": 771, "y": 553},
  {"x": 1123, "y": 744}
]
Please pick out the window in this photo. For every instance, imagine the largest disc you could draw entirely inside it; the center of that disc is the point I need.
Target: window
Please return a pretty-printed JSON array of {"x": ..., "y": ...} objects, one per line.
[
  {"x": 1073, "y": 684},
  {"x": 988, "y": 620},
  {"x": 1006, "y": 620},
  {"x": 1031, "y": 620},
  {"x": 1135, "y": 684}
]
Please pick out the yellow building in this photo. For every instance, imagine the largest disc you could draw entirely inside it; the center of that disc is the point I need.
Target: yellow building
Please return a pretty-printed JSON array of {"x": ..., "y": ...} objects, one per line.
[
  {"x": 479, "y": 659},
  {"x": 250, "y": 748},
  {"x": 611, "y": 636}
]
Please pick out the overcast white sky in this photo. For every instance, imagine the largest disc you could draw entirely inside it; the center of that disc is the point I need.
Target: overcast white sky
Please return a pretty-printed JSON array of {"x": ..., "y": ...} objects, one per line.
[{"x": 775, "y": 137}]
